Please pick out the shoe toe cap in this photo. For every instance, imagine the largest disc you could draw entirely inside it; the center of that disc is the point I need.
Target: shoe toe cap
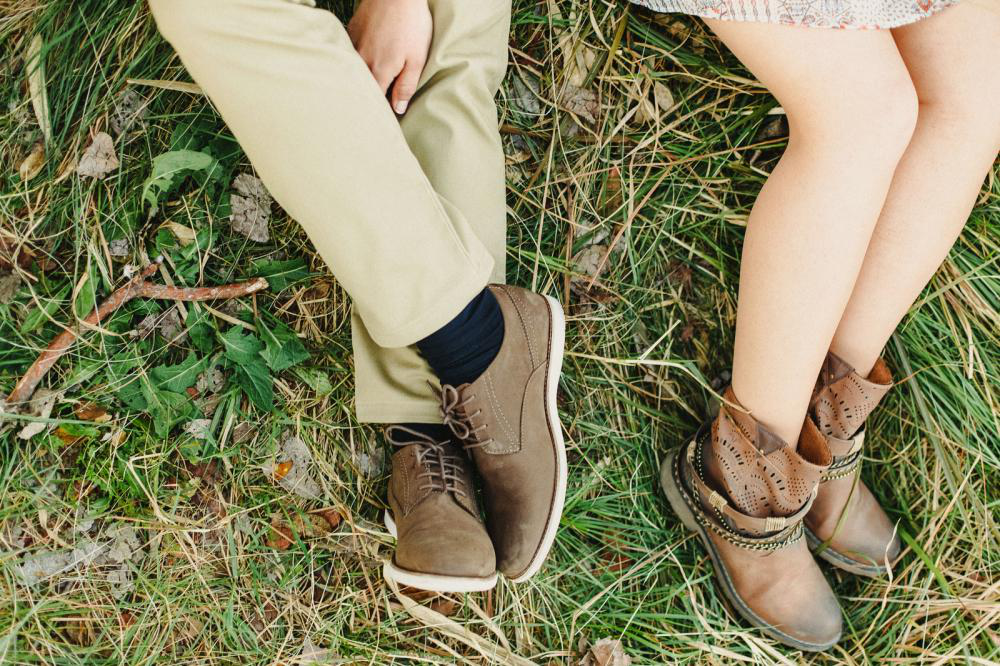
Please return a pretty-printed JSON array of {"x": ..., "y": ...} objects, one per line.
[{"x": 447, "y": 550}]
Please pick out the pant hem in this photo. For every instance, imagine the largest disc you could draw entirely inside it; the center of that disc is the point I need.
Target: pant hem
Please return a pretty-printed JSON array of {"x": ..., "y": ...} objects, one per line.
[{"x": 397, "y": 412}]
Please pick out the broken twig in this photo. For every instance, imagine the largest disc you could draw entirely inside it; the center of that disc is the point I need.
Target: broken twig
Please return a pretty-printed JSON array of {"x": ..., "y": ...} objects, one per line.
[{"x": 135, "y": 288}]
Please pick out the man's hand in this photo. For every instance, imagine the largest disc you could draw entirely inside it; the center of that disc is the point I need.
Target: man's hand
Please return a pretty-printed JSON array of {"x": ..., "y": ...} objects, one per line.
[{"x": 393, "y": 37}]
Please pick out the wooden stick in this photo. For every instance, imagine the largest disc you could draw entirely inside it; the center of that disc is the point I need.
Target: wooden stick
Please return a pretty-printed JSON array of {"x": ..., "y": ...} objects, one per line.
[{"x": 136, "y": 287}]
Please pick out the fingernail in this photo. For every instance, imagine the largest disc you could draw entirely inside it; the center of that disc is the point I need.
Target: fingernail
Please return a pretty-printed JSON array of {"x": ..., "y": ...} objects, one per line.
[{"x": 401, "y": 107}]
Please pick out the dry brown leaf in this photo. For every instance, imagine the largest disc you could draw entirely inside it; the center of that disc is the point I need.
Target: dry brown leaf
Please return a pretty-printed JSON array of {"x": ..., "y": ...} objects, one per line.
[
  {"x": 444, "y": 605},
  {"x": 310, "y": 526},
  {"x": 526, "y": 94},
  {"x": 199, "y": 428},
  {"x": 251, "y": 208},
  {"x": 100, "y": 157},
  {"x": 331, "y": 516},
  {"x": 297, "y": 477},
  {"x": 663, "y": 97},
  {"x": 313, "y": 656},
  {"x": 606, "y": 652},
  {"x": 578, "y": 62},
  {"x": 35, "y": 67},
  {"x": 90, "y": 411},
  {"x": 654, "y": 101},
  {"x": 184, "y": 235},
  {"x": 282, "y": 469},
  {"x": 242, "y": 432},
  {"x": 582, "y": 102},
  {"x": 9, "y": 284},
  {"x": 120, "y": 247},
  {"x": 210, "y": 381},
  {"x": 130, "y": 109},
  {"x": 40, "y": 405},
  {"x": 33, "y": 163},
  {"x": 67, "y": 437}
]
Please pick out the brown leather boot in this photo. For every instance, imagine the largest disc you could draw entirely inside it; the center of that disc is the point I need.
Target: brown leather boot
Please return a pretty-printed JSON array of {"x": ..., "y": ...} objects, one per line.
[
  {"x": 846, "y": 526},
  {"x": 744, "y": 492},
  {"x": 508, "y": 419},
  {"x": 441, "y": 543}
]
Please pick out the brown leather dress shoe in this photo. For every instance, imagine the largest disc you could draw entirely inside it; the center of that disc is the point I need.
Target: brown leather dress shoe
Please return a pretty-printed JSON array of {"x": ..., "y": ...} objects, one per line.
[
  {"x": 846, "y": 525},
  {"x": 441, "y": 543},
  {"x": 508, "y": 419},
  {"x": 744, "y": 492}
]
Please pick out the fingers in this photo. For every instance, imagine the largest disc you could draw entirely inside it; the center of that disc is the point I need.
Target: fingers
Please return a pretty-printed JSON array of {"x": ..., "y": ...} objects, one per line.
[
  {"x": 406, "y": 85},
  {"x": 384, "y": 75}
]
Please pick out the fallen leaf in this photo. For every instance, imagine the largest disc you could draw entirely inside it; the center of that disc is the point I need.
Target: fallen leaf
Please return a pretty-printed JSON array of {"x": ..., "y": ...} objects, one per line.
[
  {"x": 242, "y": 432},
  {"x": 90, "y": 411},
  {"x": 311, "y": 655},
  {"x": 581, "y": 102},
  {"x": 99, "y": 159},
  {"x": 331, "y": 516},
  {"x": 12, "y": 253},
  {"x": 168, "y": 324},
  {"x": 371, "y": 465},
  {"x": 9, "y": 284},
  {"x": 663, "y": 97},
  {"x": 282, "y": 469},
  {"x": 210, "y": 381},
  {"x": 33, "y": 163},
  {"x": 34, "y": 65},
  {"x": 40, "y": 405},
  {"x": 184, "y": 235},
  {"x": 310, "y": 526},
  {"x": 578, "y": 61},
  {"x": 444, "y": 605},
  {"x": 606, "y": 652},
  {"x": 120, "y": 247},
  {"x": 67, "y": 437},
  {"x": 527, "y": 94},
  {"x": 199, "y": 428},
  {"x": 297, "y": 478},
  {"x": 251, "y": 208},
  {"x": 130, "y": 109}
]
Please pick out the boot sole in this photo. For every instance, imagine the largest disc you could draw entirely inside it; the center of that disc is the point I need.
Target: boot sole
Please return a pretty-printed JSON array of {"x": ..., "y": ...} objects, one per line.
[
  {"x": 841, "y": 561},
  {"x": 680, "y": 502},
  {"x": 432, "y": 582},
  {"x": 557, "y": 344}
]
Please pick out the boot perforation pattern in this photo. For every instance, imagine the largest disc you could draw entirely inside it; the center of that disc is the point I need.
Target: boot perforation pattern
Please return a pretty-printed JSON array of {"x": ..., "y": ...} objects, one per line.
[
  {"x": 717, "y": 522},
  {"x": 776, "y": 484}
]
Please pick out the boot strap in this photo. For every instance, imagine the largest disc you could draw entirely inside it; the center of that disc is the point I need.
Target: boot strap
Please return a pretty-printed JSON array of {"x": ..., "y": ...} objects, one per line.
[
  {"x": 726, "y": 521},
  {"x": 847, "y": 463}
]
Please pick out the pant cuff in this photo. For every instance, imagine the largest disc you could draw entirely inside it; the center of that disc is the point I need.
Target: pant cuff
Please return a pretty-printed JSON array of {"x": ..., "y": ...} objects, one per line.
[{"x": 397, "y": 412}]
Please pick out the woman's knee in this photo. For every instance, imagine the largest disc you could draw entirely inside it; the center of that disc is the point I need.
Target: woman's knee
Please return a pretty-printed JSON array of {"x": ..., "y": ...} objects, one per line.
[
  {"x": 971, "y": 113},
  {"x": 877, "y": 118}
]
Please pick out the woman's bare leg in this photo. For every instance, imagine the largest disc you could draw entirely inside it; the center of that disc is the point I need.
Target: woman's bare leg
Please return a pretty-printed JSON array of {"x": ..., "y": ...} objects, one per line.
[
  {"x": 851, "y": 108},
  {"x": 952, "y": 58}
]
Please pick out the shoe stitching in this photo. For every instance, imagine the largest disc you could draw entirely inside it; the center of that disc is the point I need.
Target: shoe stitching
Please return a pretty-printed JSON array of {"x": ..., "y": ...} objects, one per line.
[
  {"x": 521, "y": 308},
  {"x": 501, "y": 416}
]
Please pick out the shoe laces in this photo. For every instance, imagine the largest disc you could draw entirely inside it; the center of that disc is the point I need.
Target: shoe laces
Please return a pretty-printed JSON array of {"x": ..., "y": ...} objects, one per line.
[
  {"x": 459, "y": 420},
  {"x": 443, "y": 469}
]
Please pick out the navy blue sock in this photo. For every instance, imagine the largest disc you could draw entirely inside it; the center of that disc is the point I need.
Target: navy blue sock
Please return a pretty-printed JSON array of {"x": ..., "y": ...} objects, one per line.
[
  {"x": 436, "y": 431},
  {"x": 462, "y": 349}
]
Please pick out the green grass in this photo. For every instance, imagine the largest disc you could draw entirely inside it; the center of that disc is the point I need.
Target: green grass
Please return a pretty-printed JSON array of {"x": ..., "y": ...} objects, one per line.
[{"x": 642, "y": 360}]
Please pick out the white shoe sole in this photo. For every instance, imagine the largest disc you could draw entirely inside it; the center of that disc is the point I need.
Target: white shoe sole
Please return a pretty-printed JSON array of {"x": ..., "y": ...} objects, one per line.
[
  {"x": 433, "y": 582},
  {"x": 552, "y": 389}
]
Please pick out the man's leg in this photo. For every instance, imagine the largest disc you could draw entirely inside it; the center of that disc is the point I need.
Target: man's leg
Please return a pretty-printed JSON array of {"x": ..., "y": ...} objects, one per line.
[
  {"x": 309, "y": 115},
  {"x": 451, "y": 127}
]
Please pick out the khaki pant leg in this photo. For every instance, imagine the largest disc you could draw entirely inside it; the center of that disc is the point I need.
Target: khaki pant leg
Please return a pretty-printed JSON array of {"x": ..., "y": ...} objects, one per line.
[
  {"x": 451, "y": 127},
  {"x": 307, "y": 112}
]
